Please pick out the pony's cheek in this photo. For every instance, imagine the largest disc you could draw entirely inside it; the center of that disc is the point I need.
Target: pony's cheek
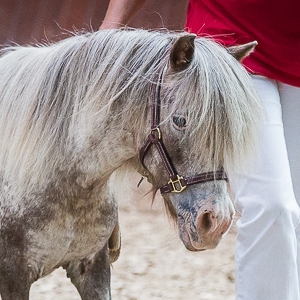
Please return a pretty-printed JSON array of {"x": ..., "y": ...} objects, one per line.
[{"x": 152, "y": 168}]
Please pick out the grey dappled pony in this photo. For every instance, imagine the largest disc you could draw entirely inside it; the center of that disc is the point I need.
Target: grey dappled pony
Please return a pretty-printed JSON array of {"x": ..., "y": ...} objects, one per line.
[{"x": 73, "y": 118}]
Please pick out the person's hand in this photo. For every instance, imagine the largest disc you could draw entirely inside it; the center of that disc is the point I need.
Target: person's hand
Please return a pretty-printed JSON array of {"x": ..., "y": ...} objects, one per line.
[
  {"x": 120, "y": 13},
  {"x": 110, "y": 25}
]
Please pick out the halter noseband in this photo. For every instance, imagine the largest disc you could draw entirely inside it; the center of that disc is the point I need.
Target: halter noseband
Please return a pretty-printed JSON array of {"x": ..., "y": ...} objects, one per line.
[{"x": 177, "y": 183}]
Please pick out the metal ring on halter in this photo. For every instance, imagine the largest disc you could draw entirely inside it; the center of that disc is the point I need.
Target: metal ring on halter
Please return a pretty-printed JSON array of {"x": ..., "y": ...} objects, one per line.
[{"x": 157, "y": 129}]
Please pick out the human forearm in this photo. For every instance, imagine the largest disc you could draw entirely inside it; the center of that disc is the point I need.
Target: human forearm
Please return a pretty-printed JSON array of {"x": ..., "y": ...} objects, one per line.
[{"x": 120, "y": 12}]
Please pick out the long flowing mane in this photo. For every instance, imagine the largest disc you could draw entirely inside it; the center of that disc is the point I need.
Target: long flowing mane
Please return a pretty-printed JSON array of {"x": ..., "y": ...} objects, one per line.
[{"x": 54, "y": 97}]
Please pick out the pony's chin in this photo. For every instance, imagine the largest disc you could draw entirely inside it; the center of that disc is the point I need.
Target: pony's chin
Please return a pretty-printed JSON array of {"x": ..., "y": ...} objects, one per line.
[
  {"x": 191, "y": 247},
  {"x": 195, "y": 246}
]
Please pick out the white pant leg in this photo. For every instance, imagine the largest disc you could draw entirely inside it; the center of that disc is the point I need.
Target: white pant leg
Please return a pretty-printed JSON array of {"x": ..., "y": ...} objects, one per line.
[
  {"x": 266, "y": 249},
  {"x": 290, "y": 102}
]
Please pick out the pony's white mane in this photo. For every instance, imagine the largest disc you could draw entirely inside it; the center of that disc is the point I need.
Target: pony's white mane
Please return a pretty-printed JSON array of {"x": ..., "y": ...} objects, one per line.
[{"x": 54, "y": 98}]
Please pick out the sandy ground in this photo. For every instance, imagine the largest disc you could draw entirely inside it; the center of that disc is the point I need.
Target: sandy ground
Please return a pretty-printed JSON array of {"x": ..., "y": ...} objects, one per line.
[{"x": 154, "y": 263}]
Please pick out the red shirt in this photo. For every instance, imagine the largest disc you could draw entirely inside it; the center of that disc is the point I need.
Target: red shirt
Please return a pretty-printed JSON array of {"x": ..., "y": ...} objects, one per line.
[{"x": 275, "y": 24}]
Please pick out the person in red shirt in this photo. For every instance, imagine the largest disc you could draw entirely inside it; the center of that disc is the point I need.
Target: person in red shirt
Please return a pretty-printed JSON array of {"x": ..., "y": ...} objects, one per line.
[{"x": 268, "y": 240}]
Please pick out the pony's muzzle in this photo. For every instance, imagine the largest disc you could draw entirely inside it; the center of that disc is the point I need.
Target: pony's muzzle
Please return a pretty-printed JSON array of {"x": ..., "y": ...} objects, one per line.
[
  {"x": 211, "y": 228},
  {"x": 207, "y": 231}
]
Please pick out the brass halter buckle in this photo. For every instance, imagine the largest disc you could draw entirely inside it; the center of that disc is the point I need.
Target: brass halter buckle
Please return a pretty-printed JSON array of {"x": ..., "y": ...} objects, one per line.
[{"x": 177, "y": 185}]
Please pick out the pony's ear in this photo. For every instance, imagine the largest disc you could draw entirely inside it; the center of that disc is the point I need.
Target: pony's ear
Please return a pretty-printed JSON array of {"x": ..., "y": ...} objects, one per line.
[
  {"x": 241, "y": 51},
  {"x": 182, "y": 52}
]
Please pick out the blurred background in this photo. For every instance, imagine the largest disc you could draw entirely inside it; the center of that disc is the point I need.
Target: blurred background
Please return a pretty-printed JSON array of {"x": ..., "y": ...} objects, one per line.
[{"x": 32, "y": 21}]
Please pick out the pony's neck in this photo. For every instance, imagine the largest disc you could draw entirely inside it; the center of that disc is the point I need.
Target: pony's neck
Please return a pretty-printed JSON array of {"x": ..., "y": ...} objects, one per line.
[{"x": 104, "y": 146}]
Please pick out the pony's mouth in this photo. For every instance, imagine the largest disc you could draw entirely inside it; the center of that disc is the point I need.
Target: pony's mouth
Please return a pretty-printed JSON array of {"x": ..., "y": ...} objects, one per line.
[
  {"x": 190, "y": 247},
  {"x": 188, "y": 242},
  {"x": 194, "y": 241}
]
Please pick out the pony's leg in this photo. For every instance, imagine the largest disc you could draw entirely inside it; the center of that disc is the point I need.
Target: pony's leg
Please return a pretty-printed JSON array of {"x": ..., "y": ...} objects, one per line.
[
  {"x": 7, "y": 292},
  {"x": 91, "y": 276},
  {"x": 14, "y": 288},
  {"x": 14, "y": 270},
  {"x": 114, "y": 244},
  {"x": 14, "y": 283}
]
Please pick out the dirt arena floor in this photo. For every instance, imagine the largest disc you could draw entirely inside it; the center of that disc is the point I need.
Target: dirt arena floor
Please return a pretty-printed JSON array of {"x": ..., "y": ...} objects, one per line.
[{"x": 153, "y": 263}]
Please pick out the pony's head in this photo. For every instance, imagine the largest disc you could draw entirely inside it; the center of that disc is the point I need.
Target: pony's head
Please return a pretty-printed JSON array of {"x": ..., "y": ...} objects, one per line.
[{"x": 204, "y": 120}]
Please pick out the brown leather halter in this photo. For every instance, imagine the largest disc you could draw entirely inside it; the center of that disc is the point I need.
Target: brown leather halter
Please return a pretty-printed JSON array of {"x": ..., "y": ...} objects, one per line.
[{"x": 177, "y": 183}]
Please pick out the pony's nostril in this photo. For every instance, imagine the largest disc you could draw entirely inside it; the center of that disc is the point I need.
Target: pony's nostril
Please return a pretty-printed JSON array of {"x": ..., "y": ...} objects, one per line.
[{"x": 206, "y": 221}]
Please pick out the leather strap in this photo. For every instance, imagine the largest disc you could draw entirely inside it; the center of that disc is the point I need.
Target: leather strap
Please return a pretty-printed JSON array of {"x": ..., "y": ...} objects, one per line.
[
  {"x": 156, "y": 104},
  {"x": 199, "y": 178}
]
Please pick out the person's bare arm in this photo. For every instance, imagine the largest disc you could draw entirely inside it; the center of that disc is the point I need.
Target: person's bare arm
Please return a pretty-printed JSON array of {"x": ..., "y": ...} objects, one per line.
[{"x": 120, "y": 12}]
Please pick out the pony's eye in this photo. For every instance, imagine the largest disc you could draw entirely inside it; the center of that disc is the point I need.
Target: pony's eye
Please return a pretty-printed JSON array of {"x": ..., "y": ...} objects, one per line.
[{"x": 179, "y": 122}]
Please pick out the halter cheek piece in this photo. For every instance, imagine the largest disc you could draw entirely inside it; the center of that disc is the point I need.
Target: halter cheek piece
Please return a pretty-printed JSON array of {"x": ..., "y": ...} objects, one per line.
[{"x": 177, "y": 183}]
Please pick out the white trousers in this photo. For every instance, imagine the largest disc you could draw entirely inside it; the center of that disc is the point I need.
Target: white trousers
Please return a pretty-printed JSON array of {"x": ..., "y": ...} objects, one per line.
[{"x": 266, "y": 249}]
